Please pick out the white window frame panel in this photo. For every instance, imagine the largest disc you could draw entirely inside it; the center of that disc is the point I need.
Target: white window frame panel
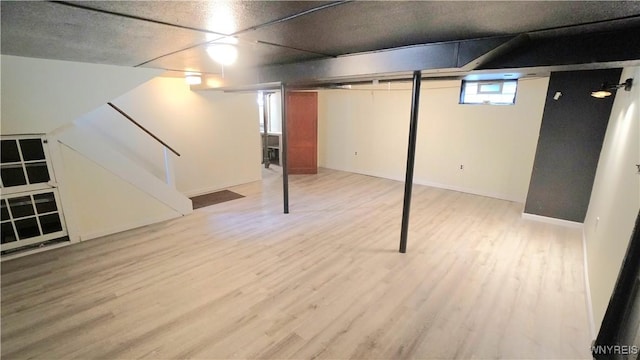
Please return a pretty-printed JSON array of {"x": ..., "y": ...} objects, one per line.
[
  {"x": 30, "y": 187},
  {"x": 31, "y": 190},
  {"x": 36, "y": 239},
  {"x": 489, "y": 83},
  {"x": 487, "y": 94}
]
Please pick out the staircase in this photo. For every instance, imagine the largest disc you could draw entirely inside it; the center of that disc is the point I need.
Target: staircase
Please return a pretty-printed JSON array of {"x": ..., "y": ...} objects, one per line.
[
  {"x": 98, "y": 149},
  {"x": 112, "y": 140}
]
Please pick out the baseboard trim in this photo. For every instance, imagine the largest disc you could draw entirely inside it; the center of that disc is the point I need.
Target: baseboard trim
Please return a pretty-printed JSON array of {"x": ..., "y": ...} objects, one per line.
[
  {"x": 587, "y": 288},
  {"x": 465, "y": 190},
  {"x": 418, "y": 181},
  {"x": 554, "y": 221},
  {"x": 128, "y": 226}
]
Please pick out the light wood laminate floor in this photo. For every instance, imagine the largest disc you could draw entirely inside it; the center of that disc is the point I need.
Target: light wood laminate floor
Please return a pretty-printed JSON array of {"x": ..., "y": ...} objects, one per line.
[{"x": 242, "y": 280}]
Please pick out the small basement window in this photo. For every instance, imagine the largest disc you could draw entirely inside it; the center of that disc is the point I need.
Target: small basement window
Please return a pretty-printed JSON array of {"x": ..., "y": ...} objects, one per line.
[{"x": 489, "y": 92}]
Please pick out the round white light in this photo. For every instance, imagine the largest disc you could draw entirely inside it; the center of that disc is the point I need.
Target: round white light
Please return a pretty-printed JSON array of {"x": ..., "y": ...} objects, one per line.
[{"x": 225, "y": 54}]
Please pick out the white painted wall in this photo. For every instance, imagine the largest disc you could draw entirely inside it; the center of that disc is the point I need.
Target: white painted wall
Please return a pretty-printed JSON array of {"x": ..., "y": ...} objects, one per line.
[
  {"x": 40, "y": 95},
  {"x": 275, "y": 113},
  {"x": 103, "y": 203},
  {"x": 495, "y": 144},
  {"x": 101, "y": 152},
  {"x": 615, "y": 198},
  {"x": 217, "y": 134}
]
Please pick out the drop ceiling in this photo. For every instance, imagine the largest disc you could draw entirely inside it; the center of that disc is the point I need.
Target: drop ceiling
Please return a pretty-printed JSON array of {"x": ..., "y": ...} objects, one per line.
[{"x": 173, "y": 35}]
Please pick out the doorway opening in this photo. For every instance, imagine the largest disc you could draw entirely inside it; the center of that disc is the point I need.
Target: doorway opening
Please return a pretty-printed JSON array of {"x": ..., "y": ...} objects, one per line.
[{"x": 270, "y": 127}]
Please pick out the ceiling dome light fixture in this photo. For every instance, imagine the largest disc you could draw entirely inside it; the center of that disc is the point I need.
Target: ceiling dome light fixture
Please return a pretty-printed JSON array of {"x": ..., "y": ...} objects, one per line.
[
  {"x": 607, "y": 89},
  {"x": 224, "y": 54},
  {"x": 223, "y": 51},
  {"x": 193, "y": 79}
]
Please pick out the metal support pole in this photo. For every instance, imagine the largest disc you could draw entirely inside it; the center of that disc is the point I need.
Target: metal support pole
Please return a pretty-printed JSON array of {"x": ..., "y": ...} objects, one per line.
[
  {"x": 285, "y": 170},
  {"x": 411, "y": 158},
  {"x": 265, "y": 135}
]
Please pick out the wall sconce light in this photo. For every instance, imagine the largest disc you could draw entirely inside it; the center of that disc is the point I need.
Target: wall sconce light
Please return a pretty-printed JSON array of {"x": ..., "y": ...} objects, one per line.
[
  {"x": 607, "y": 89},
  {"x": 193, "y": 79}
]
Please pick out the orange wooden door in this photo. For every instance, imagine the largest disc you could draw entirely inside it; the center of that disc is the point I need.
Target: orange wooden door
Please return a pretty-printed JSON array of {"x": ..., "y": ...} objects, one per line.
[{"x": 302, "y": 132}]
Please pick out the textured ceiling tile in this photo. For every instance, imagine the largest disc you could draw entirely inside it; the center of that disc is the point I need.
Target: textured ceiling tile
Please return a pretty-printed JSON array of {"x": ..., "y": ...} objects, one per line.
[
  {"x": 224, "y": 17},
  {"x": 250, "y": 54},
  {"x": 373, "y": 25},
  {"x": 58, "y": 31},
  {"x": 55, "y": 31}
]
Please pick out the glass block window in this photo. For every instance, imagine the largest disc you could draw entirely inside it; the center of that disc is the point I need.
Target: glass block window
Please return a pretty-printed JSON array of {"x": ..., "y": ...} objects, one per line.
[{"x": 494, "y": 92}]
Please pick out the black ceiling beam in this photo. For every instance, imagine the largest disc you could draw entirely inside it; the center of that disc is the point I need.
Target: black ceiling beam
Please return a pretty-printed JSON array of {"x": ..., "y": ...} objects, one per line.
[
  {"x": 397, "y": 62},
  {"x": 474, "y": 53},
  {"x": 430, "y": 56},
  {"x": 525, "y": 53}
]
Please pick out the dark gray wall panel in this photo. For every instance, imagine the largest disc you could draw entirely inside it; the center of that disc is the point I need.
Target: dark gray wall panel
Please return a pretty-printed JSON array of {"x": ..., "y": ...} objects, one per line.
[{"x": 569, "y": 145}]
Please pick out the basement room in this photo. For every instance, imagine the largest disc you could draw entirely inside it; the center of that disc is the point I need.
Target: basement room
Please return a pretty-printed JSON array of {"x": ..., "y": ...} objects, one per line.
[{"x": 320, "y": 179}]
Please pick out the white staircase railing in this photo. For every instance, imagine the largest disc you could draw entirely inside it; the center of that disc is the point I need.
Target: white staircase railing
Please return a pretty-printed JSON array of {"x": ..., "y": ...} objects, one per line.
[{"x": 168, "y": 165}]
